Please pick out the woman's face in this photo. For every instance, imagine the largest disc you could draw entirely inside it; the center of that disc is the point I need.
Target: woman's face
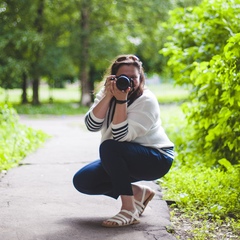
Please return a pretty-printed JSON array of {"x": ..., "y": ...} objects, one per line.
[{"x": 130, "y": 71}]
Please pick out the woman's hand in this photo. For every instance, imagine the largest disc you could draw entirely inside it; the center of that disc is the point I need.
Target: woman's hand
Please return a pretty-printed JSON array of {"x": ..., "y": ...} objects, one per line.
[
  {"x": 111, "y": 89},
  {"x": 108, "y": 86}
]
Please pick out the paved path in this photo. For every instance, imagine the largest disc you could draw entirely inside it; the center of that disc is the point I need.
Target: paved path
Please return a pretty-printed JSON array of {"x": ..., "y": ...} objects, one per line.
[{"x": 39, "y": 202}]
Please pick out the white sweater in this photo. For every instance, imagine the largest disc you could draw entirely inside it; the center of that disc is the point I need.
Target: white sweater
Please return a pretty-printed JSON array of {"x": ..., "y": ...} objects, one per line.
[{"x": 143, "y": 124}]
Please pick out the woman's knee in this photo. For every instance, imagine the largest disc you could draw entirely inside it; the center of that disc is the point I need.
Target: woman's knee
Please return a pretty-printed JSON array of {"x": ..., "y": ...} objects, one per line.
[
  {"x": 89, "y": 177},
  {"x": 78, "y": 182},
  {"x": 82, "y": 180}
]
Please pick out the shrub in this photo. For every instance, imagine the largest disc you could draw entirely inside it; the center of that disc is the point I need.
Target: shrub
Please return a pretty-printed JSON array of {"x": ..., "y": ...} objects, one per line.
[
  {"x": 214, "y": 111},
  {"x": 199, "y": 33},
  {"x": 210, "y": 192},
  {"x": 16, "y": 140},
  {"x": 201, "y": 55}
]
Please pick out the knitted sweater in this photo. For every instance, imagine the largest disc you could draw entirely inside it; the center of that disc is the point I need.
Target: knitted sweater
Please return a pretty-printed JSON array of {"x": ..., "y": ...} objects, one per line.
[{"x": 143, "y": 124}]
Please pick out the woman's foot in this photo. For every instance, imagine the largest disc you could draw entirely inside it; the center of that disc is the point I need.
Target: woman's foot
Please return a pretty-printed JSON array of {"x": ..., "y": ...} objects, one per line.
[
  {"x": 123, "y": 218},
  {"x": 142, "y": 196},
  {"x": 127, "y": 216}
]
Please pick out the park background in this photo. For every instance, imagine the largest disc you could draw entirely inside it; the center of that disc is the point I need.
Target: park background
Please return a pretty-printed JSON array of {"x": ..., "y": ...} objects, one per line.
[{"x": 53, "y": 57}]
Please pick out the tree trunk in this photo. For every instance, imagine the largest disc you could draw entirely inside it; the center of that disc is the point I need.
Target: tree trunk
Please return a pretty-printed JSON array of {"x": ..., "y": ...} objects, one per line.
[
  {"x": 38, "y": 53},
  {"x": 35, "y": 87},
  {"x": 84, "y": 54},
  {"x": 24, "y": 89}
]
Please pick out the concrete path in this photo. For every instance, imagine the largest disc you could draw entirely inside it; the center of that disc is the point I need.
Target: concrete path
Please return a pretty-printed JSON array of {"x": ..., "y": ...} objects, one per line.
[{"x": 39, "y": 202}]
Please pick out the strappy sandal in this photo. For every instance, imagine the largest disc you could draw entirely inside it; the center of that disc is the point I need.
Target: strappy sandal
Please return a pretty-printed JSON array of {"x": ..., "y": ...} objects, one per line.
[
  {"x": 144, "y": 202},
  {"x": 122, "y": 220}
]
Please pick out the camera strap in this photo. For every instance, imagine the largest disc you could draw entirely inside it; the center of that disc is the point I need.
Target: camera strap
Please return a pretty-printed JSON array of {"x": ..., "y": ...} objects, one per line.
[{"x": 111, "y": 111}]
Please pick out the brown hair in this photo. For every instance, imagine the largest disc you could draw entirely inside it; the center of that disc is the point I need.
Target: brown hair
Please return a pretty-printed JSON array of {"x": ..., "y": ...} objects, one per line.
[{"x": 129, "y": 59}]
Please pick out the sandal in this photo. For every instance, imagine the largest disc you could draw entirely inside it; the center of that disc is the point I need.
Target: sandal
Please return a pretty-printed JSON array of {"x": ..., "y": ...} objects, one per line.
[
  {"x": 122, "y": 220},
  {"x": 144, "y": 202}
]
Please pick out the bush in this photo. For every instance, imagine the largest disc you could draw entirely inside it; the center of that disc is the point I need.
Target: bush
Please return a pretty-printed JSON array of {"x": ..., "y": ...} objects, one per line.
[
  {"x": 199, "y": 33},
  {"x": 199, "y": 56},
  {"x": 213, "y": 192},
  {"x": 214, "y": 111},
  {"x": 204, "y": 53},
  {"x": 207, "y": 198},
  {"x": 16, "y": 140}
]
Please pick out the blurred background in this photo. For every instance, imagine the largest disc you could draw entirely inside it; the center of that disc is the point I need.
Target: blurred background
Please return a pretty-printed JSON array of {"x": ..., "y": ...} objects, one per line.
[{"x": 54, "y": 44}]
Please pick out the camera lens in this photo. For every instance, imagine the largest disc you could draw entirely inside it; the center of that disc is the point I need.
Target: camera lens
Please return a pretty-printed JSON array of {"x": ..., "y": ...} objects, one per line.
[{"x": 123, "y": 82}]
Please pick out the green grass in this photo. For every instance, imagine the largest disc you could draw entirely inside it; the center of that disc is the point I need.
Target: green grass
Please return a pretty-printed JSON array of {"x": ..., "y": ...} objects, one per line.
[
  {"x": 207, "y": 199},
  {"x": 168, "y": 93},
  {"x": 56, "y": 108},
  {"x": 165, "y": 92},
  {"x": 68, "y": 94},
  {"x": 66, "y": 101}
]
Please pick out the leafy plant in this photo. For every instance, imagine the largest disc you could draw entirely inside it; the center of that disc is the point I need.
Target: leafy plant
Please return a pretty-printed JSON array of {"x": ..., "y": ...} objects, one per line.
[
  {"x": 16, "y": 140},
  {"x": 213, "y": 192},
  {"x": 199, "y": 56},
  {"x": 199, "y": 33},
  {"x": 204, "y": 53},
  {"x": 206, "y": 196},
  {"x": 214, "y": 110}
]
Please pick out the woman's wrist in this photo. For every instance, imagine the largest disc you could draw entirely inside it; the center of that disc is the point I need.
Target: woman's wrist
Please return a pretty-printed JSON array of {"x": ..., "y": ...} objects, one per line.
[{"x": 121, "y": 101}]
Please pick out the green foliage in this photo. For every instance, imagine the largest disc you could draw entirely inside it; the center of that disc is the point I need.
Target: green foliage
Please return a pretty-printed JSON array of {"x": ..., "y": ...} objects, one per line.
[
  {"x": 214, "y": 192},
  {"x": 199, "y": 33},
  {"x": 18, "y": 40},
  {"x": 207, "y": 196},
  {"x": 216, "y": 101},
  {"x": 45, "y": 39},
  {"x": 202, "y": 56},
  {"x": 204, "y": 53},
  {"x": 16, "y": 140}
]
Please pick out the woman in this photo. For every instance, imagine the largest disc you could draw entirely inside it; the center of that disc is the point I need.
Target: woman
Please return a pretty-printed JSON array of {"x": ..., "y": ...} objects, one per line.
[{"x": 134, "y": 146}]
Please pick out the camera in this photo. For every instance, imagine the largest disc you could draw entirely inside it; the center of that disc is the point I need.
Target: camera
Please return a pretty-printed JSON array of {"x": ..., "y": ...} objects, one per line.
[{"x": 123, "y": 82}]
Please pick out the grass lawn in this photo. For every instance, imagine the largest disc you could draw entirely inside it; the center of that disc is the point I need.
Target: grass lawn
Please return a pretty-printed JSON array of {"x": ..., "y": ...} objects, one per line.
[
  {"x": 168, "y": 93},
  {"x": 68, "y": 94},
  {"x": 66, "y": 101}
]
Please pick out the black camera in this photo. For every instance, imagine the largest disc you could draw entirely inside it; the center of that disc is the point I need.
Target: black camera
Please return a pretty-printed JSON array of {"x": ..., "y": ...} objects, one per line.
[{"x": 123, "y": 82}]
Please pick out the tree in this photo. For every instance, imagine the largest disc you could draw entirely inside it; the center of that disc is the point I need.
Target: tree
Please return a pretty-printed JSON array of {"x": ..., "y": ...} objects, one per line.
[
  {"x": 57, "y": 59},
  {"x": 56, "y": 39},
  {"x": 204, "y": 53},
  {"x": 109, "y": 28},
  {"x": 19, "y": 43},
  {"x": 13, "y": 42},
  {"x": 199, "y": 33},
  {"x": 35, "y": 66}
]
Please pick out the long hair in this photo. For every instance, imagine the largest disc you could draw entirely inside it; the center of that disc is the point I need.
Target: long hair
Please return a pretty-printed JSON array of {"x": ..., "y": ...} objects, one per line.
[{"x": 129, "y": 59}]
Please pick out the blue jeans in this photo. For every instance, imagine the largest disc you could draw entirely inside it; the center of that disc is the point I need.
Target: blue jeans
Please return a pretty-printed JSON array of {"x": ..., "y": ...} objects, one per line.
[{"x": 120, "y": 164}]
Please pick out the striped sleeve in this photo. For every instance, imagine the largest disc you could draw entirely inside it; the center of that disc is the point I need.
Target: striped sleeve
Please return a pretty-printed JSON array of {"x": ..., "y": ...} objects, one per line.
[
  {"x": 168, "y": 151},
  {"x": 119, "y": 131},
  {"x": 93, "y": 124}
]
